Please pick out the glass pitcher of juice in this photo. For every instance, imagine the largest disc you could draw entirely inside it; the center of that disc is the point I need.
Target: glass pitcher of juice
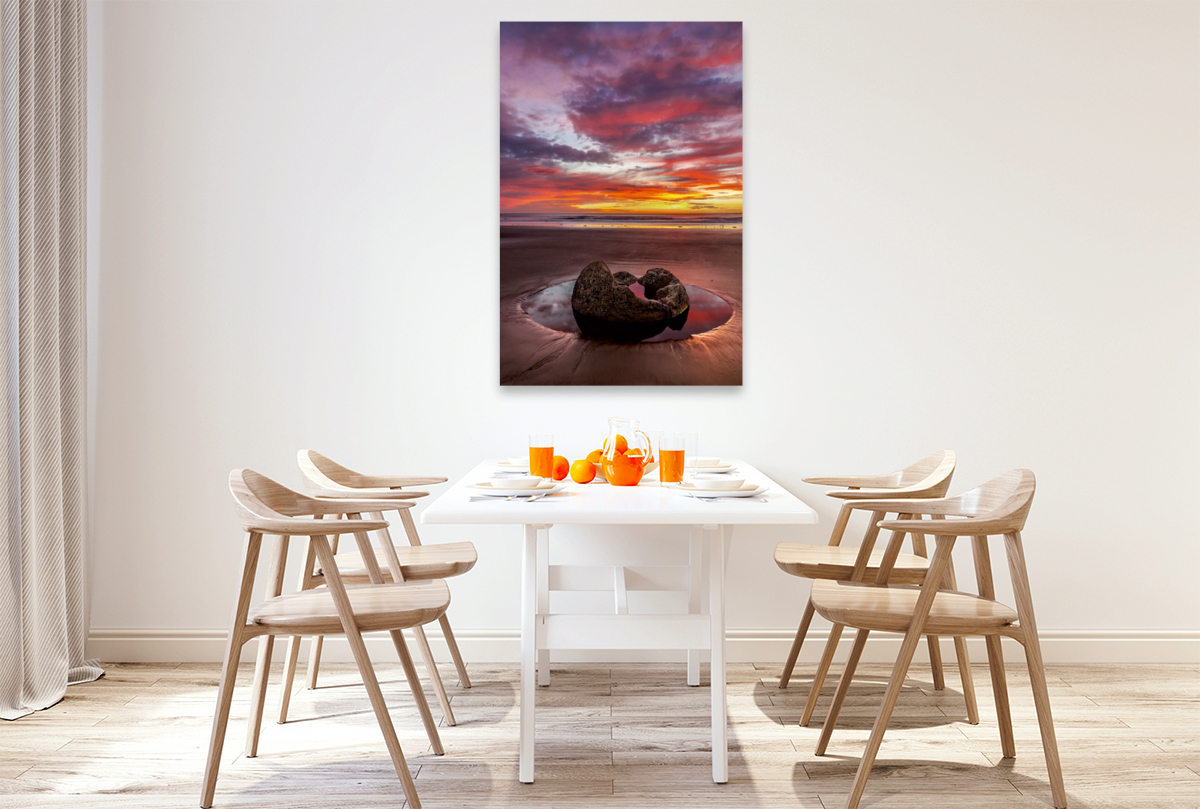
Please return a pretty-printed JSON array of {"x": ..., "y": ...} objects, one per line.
[{"x": 627, "y": 452}]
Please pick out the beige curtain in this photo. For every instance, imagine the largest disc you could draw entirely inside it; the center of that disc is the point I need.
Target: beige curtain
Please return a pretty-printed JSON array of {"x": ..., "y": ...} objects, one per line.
[{"x": 43, "y": 571}]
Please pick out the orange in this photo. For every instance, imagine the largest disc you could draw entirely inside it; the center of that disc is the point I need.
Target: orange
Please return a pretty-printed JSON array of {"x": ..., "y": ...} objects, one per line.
[
  {"x": 634, "y": 451},
  {"x": 583, "y": 471},
  {"x": 622, "y": 444},
  {"x": 559, "y": 467},
  {"x": 595, "y": 455}
]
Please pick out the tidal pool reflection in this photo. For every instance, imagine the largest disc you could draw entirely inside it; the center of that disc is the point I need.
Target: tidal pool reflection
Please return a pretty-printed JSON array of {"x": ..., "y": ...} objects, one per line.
[{"x": 552, "y": 308}]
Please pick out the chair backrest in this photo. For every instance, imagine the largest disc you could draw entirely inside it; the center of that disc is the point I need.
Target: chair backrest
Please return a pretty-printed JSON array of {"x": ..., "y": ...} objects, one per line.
[
  {"x": 932, "y": 470},
  {"x": 1003, "y": 502},
  {"x": 999, "y": 506},
  {"x": 260, "y": 500},
  {"x": 325, "y": 477},
  {"x": 266, "y": 507},
  {"x": 928, "y": 477},
  {"x": 330, "y": 473}
]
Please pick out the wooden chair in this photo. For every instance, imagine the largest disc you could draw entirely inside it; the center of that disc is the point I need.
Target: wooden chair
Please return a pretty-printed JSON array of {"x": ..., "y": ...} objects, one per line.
[
  {"x": 264, "y": 507},
  {"x": 928, "y": 477},
  {"x": 406, "y": 563},
  {"x": 998, "y": 507}
]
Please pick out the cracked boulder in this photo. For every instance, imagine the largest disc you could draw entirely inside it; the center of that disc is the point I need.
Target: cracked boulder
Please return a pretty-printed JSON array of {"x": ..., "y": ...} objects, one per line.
[{"x": 606, "y": 308}]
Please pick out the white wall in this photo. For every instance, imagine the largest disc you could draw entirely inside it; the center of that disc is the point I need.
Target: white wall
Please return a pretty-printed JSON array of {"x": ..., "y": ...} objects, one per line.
[{"x": 970, "y": 225}]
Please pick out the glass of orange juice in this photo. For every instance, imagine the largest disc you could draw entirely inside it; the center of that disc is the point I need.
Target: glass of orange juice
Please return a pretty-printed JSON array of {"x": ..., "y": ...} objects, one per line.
[
  {"x": 541, "y": 455},
  {"x": 671, "y": 448}
]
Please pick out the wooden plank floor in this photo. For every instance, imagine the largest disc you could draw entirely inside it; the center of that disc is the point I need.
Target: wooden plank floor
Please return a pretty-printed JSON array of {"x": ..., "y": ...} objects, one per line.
[{"x": 610, "y": 736}]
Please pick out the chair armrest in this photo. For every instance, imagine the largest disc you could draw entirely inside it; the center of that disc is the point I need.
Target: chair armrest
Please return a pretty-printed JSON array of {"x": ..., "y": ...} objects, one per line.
[
  {"x": 878, "y": 494},
  {"x": 348, "y": 505},
  {"x": 949, "y": 528},
  {"x": 855, "y": 481},
  {"x": 361, "y": 494},
  {"x": 308, "y": 528},
  {"x": 915, "y": 505},
  {"x": 397, "y": 481}
]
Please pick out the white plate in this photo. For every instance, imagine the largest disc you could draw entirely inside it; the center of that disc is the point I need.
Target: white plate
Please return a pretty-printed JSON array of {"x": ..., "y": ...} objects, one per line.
[
  {"x": 723, "y": 483},
  {"x": 498, "y": 488},
  {"x": 747, "y": 490},
  {"x": 509, "y": 466},
  {"x": 714, "y": 465}
]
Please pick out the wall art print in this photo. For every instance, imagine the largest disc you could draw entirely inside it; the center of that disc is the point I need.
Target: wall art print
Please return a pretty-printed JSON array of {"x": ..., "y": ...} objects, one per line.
[{"x": 621, "y": 203}]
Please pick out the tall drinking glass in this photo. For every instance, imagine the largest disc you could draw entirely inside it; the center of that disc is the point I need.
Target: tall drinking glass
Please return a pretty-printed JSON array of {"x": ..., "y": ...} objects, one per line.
[
  {"x": 691, "y": 447},
  {"x": 541, "y": 455},
  {"x": 671, "y": 455}
]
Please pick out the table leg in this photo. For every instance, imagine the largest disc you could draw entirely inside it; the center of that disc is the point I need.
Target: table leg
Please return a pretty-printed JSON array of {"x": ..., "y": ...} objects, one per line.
[
  {"x": 716, "y": 608},
  {"x": 543, "y": 600},
  {"x": 695, "y": 565},
  {"x": 529, "y": 598}
]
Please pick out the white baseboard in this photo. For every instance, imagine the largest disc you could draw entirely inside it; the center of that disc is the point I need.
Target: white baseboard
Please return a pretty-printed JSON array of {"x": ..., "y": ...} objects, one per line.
[{"x": 742, "y": 646}]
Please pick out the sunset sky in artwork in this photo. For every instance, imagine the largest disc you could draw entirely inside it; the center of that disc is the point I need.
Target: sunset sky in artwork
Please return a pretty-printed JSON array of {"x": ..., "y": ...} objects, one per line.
[{"x": 634, "y": 118}]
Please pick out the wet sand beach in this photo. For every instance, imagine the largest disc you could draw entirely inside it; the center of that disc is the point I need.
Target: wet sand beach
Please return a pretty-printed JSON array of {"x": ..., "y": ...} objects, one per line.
[{"x": 533, "y": 258}]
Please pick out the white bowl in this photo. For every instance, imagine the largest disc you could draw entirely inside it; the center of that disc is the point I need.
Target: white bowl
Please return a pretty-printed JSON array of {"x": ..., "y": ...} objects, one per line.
[
  {"x": 519, "y": 461},
  {"x": 522, "y": 482},
  {"x": 703, "y": 462},
  {"x": 715, "y": 483}
]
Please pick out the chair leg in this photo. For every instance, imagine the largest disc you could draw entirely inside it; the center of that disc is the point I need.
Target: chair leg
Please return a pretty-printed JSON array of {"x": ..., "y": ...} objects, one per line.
[
  {"x": 964, "y": 658},
  {"x": 1008, "y": 743},
  {"x": 835, "y": 634},
  {"x": 987, "y": 589},
  {"x": 314, "y": 661},
  {"x": 839, "y": 697},
  {"x": 912, "y": 638},
  {"x": 307, "y": 583},
  {"x": 289, "y": 676},
  {"x": 1037, "y": 669},
  {"x": 258, "y": 694},
  {"x": 895, "y": 685},
  {"x": 293, "y": 650},
  {"x": 935, "y": 648},
  {"x": 464, "y": 679},
  {"x": 434, "y": 676},
  {"x": 790, "y": 663},
  {"x": 1041, "y": 701},
  {"x": 262, "y": 666},
  {"x": 220, "y": 722},
  {"x": 233, "y": 651},
  {"x": 935, "y": 662},
  {"x": 367, "y": 672},
  {"x": 835, "y": 539},
  {"x": 968, "y": 682},
  {"x": 375, "y": 695},
  {"x": 414, "y": 684}
]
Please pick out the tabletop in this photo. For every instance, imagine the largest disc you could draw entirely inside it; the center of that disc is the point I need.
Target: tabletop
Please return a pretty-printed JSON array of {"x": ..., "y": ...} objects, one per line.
[{"x": 648, "y": 503}]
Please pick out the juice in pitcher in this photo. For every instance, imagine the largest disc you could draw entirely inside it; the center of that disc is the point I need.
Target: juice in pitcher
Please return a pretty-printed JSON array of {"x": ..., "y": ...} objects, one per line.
[{"x": 627, "y": 452}]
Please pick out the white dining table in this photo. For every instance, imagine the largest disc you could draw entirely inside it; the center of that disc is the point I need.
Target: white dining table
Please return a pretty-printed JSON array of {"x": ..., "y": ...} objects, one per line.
[{"x": 597, "y": 503}]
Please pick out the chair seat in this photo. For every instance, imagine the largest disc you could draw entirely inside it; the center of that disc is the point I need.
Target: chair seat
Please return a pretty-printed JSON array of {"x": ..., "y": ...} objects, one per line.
[
  {"x": 837, "y": 563},
  {"x": 889, "y": 608},
  {"x": 376, "y": 607},
  {"x": 417, "y": 562}
]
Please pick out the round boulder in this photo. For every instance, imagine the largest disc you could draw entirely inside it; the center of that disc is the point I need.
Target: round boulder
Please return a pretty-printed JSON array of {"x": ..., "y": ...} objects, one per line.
[{"x": 607, "y": 309}]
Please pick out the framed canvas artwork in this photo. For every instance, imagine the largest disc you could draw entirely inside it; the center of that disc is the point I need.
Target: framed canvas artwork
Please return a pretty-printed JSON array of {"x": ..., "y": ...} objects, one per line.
[{"x": 621, "y": 203}]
